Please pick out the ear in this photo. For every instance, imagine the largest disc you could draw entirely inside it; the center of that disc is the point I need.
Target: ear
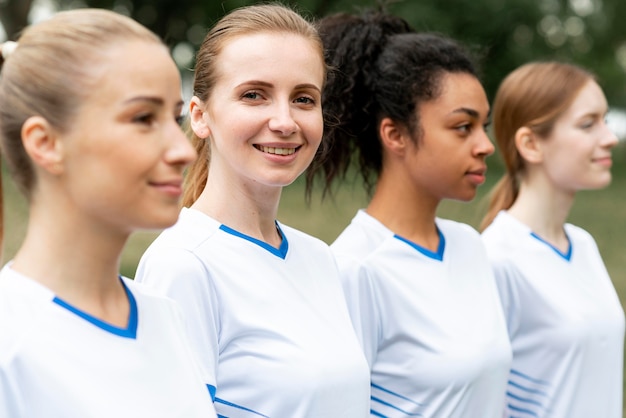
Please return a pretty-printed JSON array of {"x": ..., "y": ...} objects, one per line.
[
  {"x": 43, "y": 144},
  {"x": 197, "y": 118},
  {"x": 528, "y": 145},
  {"x": 393, "y": 137}
]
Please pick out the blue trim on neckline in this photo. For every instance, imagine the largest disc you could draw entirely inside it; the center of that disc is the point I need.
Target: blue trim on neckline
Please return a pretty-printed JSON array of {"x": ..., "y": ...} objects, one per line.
[
  {"x": 131, "y": 328},
  {"x": 434, "y": 255},
  {"x": 278, "y": 252},
  {"x": 212, "y": 389},
  {"x": 567, "y": 256}
]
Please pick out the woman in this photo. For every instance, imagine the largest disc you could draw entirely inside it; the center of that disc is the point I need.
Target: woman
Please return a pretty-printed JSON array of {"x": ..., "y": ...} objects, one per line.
[
  {"x": 267, "y": 312},
  {"x": 90, "y": 102},
  {"x": 410, "y": 109},
  {"x": 564, "y": 319}
]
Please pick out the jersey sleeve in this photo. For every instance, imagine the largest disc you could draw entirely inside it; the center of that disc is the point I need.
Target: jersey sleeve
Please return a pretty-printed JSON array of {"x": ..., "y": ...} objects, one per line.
[
  {"x": 181, "y": 276},
  {"x": 9, "y": 401},
  {"x": 363, "y": 307},
  {"x": 506, "y": 279}
]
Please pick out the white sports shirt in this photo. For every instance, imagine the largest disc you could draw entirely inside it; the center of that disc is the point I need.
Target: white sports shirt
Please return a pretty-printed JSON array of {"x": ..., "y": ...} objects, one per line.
[
  {"x": 59, "y": 362},
  {"x": 430, "y": 324},
  {"x": 565, "y": 322},
  {"x": 271, "y": 324}
]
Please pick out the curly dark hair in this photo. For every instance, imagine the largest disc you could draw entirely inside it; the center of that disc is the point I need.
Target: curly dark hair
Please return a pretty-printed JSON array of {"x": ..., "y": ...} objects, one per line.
[{"x": 379, "y": 67}]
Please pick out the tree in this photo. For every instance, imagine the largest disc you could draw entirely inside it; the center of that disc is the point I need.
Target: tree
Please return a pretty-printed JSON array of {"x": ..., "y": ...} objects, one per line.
[{"x": 504, "y": 34}]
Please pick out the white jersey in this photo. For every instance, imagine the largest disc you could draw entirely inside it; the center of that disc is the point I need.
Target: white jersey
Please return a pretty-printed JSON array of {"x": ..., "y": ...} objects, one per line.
[
  {"x": 430, "y": 323},
  {"x": 59, "y": 362},
  {"x": 272, "y": 324},
  {"x": 565, "y": 322}
]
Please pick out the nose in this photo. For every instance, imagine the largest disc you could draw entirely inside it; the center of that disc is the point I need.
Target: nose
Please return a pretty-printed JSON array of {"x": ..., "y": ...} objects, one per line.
[
  {"x": 484, "y": 147},
  {"x": 179, "y": 149},
  {"x": 609, "y": 139},
  {"x": 282, "y": 120}
]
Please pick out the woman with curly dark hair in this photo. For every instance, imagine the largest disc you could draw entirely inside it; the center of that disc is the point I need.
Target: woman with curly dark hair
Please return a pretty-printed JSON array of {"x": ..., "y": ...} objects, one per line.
[{"x": 411, "y": 110}]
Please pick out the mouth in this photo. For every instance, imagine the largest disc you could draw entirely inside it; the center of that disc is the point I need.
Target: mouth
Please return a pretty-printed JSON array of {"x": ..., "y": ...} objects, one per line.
[
  {"x": 477, "y": 177},
  {"x": 277, "y": 150},
  {"x": 172, "y": 188},
  {"x": 605, "y": 161}
]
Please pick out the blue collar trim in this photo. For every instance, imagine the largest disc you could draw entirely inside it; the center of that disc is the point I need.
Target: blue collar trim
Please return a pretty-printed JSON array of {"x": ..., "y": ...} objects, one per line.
[
  {"x": 278, "y": 252},
  {"x": 131, "y": 328},
  {"x": 434, "y": 255},
  {"x": 567, "y": 255}
]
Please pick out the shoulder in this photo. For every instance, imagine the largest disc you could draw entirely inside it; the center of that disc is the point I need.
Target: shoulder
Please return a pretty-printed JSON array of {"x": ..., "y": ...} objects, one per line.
[
  {"x": 192, "y": 229},
  {"x": 457, "y": 229},
  {"x": 504, "y": 235},
  {"x": 23, "y": 303},
  {"x": 578, "y": 234},
  {"x": 361, "y": 238}
]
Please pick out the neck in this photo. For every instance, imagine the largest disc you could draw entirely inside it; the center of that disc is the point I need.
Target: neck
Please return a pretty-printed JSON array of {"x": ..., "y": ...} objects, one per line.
[
  {"x": 544, "y": 209},
  {"x": 75, "y": 257},
  {"x": 245, "y": 207},
  {"x": 405, "y": 210}
]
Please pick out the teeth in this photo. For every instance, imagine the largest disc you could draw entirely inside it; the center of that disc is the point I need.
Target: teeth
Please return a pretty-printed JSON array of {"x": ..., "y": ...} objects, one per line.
[{"x": 278, "y": 151}]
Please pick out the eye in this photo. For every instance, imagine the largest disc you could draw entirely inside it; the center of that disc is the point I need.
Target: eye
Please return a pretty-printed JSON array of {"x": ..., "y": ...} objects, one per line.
[
  {"x": 587, "y": 124},
  {"x": 145, "y": 118},
  {"x": 464, "y": 129},
  {"x": 486, "y": 126},
  {"x": 252, "y": 95},
  {"x": 305, "y": 100},
  {"x": 180, "y": 119}
]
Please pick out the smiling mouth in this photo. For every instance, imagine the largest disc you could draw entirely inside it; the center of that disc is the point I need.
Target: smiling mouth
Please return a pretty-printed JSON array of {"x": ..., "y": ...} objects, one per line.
[{"x": 276, "y": 151}]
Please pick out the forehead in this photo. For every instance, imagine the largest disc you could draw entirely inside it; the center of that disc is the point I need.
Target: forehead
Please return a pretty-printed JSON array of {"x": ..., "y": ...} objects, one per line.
[
  {"x": 589, "y": 100},
  {"x": 133, "y": 68},
  {"x": 458, "y": 91},
  {"x": 271, "y": 56}
]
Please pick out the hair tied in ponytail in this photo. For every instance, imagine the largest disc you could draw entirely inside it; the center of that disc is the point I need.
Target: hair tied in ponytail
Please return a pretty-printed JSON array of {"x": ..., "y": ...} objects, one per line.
[{"x": 8, "y": 48}]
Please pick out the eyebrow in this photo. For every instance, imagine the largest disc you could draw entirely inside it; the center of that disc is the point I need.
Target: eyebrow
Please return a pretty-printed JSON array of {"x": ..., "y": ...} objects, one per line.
[
  {"x": 470, "y": 112},
  {"x": 266, "y": 84},
  {"x": 155, "y": 100}
]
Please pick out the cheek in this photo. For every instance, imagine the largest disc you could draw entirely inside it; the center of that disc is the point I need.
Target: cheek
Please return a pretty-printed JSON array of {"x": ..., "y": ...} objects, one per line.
[{"x": 313, "y": 128}]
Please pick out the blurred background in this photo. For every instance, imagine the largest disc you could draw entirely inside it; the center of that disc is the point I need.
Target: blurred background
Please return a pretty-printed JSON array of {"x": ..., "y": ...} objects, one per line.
[{"x": 503, "y": 33}]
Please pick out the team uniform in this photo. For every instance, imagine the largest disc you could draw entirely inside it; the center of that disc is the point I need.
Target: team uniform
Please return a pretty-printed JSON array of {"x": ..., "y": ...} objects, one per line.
[
  {"x": 430, "y": 323},
  {"x": 565, "y": 322},
  {"x": 59, "y": 362},
  {"x": 271, "y": 324}
]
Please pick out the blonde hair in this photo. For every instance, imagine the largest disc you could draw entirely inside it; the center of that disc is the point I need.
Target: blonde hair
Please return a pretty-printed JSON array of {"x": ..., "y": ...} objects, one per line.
[
  {"x": 239, "y": 22},
  {"x": 535, "y": 95},
  {"x": 48, "y": 73}
]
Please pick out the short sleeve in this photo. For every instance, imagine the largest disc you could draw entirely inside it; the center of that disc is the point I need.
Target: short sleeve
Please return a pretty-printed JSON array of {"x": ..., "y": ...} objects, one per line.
[
  {"x": 181, "y": 276},
  {"x": 9, "y": 399},
  {"x": 363, "y": 307},
  {"x": 506, "y": 279}
]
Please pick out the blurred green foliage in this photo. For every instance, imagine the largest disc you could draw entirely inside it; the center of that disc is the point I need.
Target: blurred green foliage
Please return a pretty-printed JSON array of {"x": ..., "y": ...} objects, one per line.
[{"x": 503, "y": 33}]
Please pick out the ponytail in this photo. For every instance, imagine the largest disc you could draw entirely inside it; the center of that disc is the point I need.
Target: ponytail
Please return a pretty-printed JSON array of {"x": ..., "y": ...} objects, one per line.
[
  {"x": 198, "y": 171},
  {"x": 501, "y": 197},
  {"x": 351, "y": 109}
]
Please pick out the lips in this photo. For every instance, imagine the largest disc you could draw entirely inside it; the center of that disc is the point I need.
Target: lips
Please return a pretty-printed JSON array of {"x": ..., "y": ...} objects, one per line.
[
  {"x": 477, "y": 176},
  {"x": 173, "y": 187}
]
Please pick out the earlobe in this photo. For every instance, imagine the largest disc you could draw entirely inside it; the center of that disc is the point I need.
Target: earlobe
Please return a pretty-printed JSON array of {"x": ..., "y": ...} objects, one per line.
[
  {"x": 393, "y": 137},
  {"x": 197, "y": 120},
  {"x": 42, "y": 144},
  {"x": 528, "y": 145}
]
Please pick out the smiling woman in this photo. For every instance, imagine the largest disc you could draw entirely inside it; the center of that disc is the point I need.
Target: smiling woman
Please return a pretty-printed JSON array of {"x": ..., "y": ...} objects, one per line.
[
  {"x": 89, "y": 108},
  {"x": 564, "y": 319},
  {"x": 264, "y": 300}
]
